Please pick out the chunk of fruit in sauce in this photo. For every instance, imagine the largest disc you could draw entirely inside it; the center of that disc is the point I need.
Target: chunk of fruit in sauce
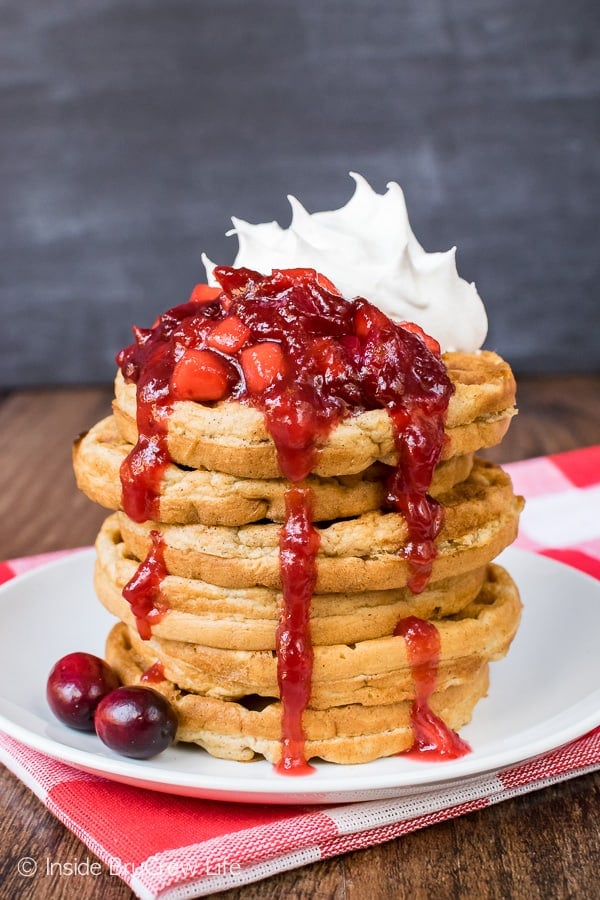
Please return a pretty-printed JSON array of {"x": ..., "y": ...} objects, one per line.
[
  {"x": 229, "y": 335},
  {"x": 200, "y": 375},
  {"x": 263, "y": 364}
]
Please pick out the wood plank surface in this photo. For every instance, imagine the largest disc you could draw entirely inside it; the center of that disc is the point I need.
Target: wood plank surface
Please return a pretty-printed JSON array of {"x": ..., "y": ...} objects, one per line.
[{"x": 544, "y": 845}]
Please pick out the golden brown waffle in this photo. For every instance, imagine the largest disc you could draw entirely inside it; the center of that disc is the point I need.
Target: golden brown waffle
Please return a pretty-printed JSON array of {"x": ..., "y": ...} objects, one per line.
[
  {"x": 369, "y": 672},
  {"x": 246, "y": 618},
  {"x": 214, "y": 498},
  {"x": 481, "y": 519},
  {"x": 362, "y": 695},
  {"x": 344, "y": 734},
  {"x": 230, "y": 437}
]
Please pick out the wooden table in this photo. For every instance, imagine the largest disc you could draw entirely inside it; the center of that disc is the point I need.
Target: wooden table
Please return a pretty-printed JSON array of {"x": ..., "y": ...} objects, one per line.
[{"x": 544, "y": 845}]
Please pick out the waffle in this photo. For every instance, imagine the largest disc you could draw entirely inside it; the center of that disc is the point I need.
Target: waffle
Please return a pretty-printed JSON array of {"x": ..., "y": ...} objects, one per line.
[
  {"x": 246, "y": 730},
  {"x": 231, "y": 437},
  {"x": 370, "y": 672},
  {"x": 481, "y": 519},
  {"x": 199, "y": 496},
  {"x": 246, "y": 618}
]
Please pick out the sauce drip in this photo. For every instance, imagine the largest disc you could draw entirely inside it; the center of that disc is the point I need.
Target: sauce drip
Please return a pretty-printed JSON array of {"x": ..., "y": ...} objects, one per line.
[
  {"x": 142, "y": 470},
  {"x": 299, "y": 545},
  {"x": 153, "y": 674},
  {"x": 418, "y": 440},
  {"x": 291, "y": 346},
  {"x": 141, "y": 474},
  {"x": 433, "y": 740},
  {"x": 142, "y": 592}
]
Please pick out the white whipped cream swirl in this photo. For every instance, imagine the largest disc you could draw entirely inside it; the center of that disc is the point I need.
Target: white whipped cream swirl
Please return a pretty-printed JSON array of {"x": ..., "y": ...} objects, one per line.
[{"x": 367, "y": 249}]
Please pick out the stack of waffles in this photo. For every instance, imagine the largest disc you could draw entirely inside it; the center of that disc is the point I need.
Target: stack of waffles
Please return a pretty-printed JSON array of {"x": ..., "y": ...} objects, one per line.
[{"x": 196, "y": 585}]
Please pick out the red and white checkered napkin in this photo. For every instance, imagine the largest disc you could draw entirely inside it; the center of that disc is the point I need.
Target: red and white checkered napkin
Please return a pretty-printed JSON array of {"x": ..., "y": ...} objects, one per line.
[{"x": 176, "y": 847}]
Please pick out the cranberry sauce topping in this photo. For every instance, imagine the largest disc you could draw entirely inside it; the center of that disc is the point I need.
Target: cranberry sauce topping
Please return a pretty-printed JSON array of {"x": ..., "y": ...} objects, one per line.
[
  {"x": 299, "y": 544},
  {"x": 289, "y": 344},
  {"x": 153, "y": 674},
  {"x": 142, "y": 592},
  {"x": 433, "y": 739},
  {"x": 141, "y": 471}
]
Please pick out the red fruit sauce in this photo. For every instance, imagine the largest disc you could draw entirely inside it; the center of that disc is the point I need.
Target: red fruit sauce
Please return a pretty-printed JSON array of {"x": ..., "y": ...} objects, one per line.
[
  {"x": 142, "y": 592},
  {"x": 298, "y": 548},
  {"x": 337, "y": 358},
  {"x": 153, "y": 674},
  {"x": 433, "y": 740}
]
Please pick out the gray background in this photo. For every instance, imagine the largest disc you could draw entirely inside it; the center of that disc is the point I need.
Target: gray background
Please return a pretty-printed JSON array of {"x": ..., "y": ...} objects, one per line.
[{"x": 131, "y": 131}]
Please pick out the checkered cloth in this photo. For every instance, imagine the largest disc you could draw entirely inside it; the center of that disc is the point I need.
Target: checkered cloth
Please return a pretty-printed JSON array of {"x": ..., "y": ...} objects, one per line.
[{"x": 175, "y": 847}]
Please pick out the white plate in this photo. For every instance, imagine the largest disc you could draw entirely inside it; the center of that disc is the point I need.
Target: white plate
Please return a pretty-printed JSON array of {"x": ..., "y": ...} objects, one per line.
[{"x": 544, "y": 694}]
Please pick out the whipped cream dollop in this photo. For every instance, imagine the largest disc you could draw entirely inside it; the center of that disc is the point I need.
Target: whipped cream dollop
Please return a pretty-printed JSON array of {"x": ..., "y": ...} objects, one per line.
[{"x": 367, "y": 249}]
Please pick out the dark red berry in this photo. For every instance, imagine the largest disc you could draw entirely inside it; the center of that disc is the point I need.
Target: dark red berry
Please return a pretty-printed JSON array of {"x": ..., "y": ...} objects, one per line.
[
  {"x": 136, "y": 721},
  {"x": 75, "y": 687}
]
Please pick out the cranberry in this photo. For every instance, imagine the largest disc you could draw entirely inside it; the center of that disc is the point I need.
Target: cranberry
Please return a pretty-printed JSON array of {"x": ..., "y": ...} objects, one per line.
[
  {"x": 75, "y": 687},
  {"x": 136, "y": 721}
]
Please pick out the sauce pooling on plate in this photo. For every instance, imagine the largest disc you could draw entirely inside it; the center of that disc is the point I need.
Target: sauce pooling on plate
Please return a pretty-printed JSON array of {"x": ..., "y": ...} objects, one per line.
[
  {"x": 142, "y": 592},
  {"x": 433, "y": 740}
]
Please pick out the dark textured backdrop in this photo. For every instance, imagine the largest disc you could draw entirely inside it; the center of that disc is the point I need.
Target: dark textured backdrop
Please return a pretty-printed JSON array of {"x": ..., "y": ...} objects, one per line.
[{"x": 131, "y": 131}]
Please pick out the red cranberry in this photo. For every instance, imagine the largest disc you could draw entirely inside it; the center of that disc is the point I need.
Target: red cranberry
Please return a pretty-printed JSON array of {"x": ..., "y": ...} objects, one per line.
[
  {"x": 75, "y": 687},
  {"x": 136, "y": 721}
]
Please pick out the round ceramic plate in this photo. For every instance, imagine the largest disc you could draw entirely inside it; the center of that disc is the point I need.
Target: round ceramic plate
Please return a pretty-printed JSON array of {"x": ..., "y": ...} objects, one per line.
[{"x": 544, "y": 694}]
